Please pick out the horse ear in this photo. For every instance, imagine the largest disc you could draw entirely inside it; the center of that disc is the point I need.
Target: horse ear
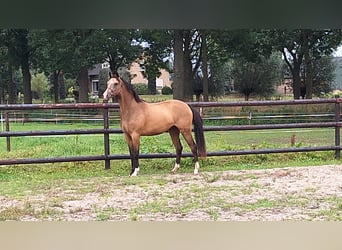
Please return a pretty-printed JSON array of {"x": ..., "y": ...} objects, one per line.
[{"x": 115, "y": 74}]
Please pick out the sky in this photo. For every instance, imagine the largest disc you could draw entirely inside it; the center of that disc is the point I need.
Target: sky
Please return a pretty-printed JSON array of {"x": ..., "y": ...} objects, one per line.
[{"x": 338, "y": 52}]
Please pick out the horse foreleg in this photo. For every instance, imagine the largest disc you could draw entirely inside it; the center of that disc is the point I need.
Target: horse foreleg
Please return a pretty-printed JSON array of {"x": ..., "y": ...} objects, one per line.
[
  {"x": 134, "y": 161},
  {"x": 174, "y": 133},
  {"x": 190, "y": 141},
  {"x": 133, "y": 145}
]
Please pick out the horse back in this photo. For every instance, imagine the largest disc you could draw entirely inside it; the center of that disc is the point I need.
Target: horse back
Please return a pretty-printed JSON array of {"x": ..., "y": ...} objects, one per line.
[{"x": 161, "y": 116}]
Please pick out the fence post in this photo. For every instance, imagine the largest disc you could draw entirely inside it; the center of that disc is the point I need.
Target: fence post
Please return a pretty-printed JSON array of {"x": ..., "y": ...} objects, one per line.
[
  {"x": 8, "y": 138},
  {"x": 337, "y": 128},
  {"x": 106, "y": 136}
]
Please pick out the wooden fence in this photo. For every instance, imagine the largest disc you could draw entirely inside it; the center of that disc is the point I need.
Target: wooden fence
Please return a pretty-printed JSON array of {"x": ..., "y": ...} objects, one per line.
[{"x": 334, "y": 123}]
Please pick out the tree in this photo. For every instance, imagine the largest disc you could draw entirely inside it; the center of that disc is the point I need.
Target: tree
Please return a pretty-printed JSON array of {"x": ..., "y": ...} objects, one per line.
[
  {"x": 87, "y": 47},
  {"x": 103, "y": 78},
  {"x": 257, "y": 78},
  {"x": 186, "y": 62},
  {"x": 323, "y": 75},
  {"x": 221, "y": 78},
  {"x": 118, "y": 47},
  {"x": 40, "y": 85},
  {"x": 23, "y": 50},
  {"x": 17, "y": 54},
  {"x": 179, "y": 78},
  {"x": 7, "y": 86},
  {"x": 154, "y": 57},
  {"x": 204, "y": 60},
  {"x": 225, "y": 46},
  {"x": 308, "y": 82},
  {"x": 241, "y": 43},
  {"x": 300, "y": 48},
  {"x": 54, "y": 50},
  {"x": 68, "y": 51}
]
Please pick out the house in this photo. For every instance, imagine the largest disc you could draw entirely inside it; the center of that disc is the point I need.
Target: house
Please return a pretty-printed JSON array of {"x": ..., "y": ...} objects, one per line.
[
  {"x": 94, "y": 78},
  {"x": 135, "y": 71}
]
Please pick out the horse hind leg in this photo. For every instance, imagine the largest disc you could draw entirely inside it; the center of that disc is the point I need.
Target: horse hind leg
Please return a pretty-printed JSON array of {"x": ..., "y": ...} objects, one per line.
[
  {"x": 190, "y": 141},
  {"x": 174, "y": 133}
]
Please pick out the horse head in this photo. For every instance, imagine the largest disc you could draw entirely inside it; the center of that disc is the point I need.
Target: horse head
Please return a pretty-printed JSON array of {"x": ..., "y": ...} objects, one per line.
[{"x": 113, "y": 86}]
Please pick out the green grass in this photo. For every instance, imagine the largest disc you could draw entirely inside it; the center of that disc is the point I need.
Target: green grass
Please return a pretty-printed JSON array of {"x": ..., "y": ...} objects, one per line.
[
  {"x": 16, "y": 180},
  {"x": 22, "y": 181},
  {"x": 76, "y": 145}
]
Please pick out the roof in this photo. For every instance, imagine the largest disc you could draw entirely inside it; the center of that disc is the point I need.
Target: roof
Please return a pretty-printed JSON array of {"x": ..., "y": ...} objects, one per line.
[{"x": 95, "y": 70}]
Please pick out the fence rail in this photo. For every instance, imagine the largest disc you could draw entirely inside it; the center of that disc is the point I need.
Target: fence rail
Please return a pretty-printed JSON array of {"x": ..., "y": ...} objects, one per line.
[{"x": 106, "y": 131}]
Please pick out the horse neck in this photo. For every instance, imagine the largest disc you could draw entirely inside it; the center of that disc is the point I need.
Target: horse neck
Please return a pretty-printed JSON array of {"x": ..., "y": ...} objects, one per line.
[{"x": 127, "y": 101}]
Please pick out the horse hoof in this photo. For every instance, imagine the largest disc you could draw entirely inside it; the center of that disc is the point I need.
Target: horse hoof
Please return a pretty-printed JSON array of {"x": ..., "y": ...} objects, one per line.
[
  {"x": 197, "y": 166},
  {"x": 176, "y": 167},
  {"x": 135, "y": 172}
]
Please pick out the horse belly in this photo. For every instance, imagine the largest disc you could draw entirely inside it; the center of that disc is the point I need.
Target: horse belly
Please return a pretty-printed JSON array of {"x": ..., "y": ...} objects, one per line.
[{"x": 157, "y": 126}]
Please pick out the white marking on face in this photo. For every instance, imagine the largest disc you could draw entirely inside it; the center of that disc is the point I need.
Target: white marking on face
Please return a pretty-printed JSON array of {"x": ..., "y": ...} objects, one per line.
[
  {"x": 112, "y": 84},
  {"x": 105, "y": 95}
]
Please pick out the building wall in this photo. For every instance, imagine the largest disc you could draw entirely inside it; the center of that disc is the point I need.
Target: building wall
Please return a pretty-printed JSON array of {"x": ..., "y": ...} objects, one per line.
[{"x": 135, "y": 71}]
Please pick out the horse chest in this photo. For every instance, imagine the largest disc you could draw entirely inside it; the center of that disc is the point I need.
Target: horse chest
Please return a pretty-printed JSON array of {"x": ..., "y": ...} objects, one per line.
[{"x": 131, "y": 125}]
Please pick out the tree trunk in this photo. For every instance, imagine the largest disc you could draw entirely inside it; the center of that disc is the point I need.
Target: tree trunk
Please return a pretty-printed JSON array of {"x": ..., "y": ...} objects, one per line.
[
  {"x": 308, "y": 64},
  {"x": 294, "y": 66},
  {"x": 178, "y": 83},
  {"x": 296, "y": 80},
  {"x": 205, "y": 67},
  {"x": 55, "y": 86},
  {"x": 151, "y": 84},
  {"x": 188, "y": 74},
  {"x": 2, "y": 96},
  {"x": 24, "y": 54},
  {"x": 61, "y": 84},
  {"x": 188, "y": 80},
  {"x": 25, "y": 69},
  {"x": 83, "y": 83},
  {"x": 12, "y": 86}
]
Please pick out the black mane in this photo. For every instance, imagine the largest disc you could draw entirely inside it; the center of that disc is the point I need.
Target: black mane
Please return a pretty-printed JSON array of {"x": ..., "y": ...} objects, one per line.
[{"x": 131, "y": 90}]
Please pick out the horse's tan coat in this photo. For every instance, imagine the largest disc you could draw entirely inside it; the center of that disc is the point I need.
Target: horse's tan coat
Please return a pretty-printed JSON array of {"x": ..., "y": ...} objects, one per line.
[{"x": 145, "y": 119}]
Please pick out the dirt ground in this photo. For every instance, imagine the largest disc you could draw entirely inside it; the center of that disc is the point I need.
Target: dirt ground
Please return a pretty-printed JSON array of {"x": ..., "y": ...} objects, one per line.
[{"x": 298, "y": 193}]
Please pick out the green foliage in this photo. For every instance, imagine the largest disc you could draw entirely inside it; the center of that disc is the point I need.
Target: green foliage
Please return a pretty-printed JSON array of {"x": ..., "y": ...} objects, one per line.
[
  {"x": 119, "y": 47},
  {"x": 141, "y": 88},
  {"x": 323, "y": 69},
  {"x": 40, "y": 85},
  {"x": 291, "y": 44},
  {"x": 259, "y": 78},
  {"x": 158, "y": 47},
  {"x": 166, "y": 90},
  {"x": 221, "y": 78},
  {"x": 103, "y": 78}
]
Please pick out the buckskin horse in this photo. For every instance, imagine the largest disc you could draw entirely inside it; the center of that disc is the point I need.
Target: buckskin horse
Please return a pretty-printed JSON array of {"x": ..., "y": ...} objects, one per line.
[{"x": 139, "y": 118}]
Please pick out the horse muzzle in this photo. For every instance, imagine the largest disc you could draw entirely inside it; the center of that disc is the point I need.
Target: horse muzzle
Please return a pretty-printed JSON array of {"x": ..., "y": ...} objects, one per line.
[{"x": 106, "y": 96}]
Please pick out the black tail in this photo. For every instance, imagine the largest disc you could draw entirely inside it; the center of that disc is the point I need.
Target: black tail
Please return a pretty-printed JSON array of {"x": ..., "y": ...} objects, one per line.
[{"x": 199, "y": 135}]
